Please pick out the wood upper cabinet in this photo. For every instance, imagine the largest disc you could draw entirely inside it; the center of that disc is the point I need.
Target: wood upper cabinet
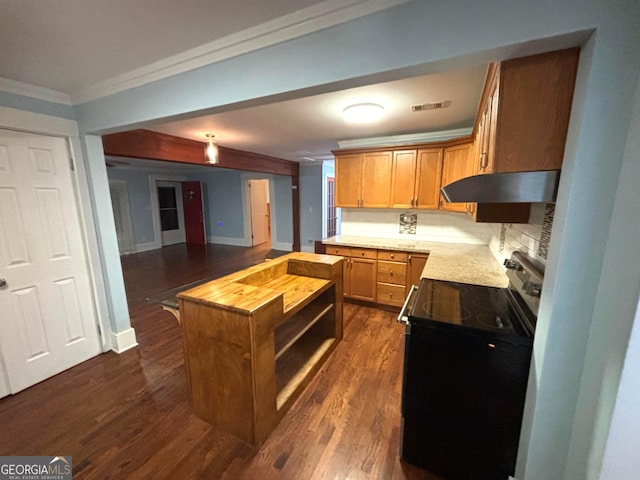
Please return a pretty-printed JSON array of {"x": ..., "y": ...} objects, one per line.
[
  {"x": 485, "y": 139},
  {"x": 362, "y": 179},
  {"x": 403, "y": 179},
  {"x": 428, "y": 178},
  {"x": 456, "y": 164},
  {"x": 348, "y": 180},
  {"x": 415, "y": 181},
  {"x": 376, "y": 172},
  {"x": 524, "y": 113}
]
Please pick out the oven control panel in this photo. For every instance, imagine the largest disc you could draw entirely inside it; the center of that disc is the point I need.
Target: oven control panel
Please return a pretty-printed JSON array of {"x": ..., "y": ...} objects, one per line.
[{"x": 525, "y": 278}]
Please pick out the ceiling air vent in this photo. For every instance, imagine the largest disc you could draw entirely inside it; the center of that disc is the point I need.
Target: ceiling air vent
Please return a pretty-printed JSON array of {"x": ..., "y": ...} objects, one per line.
[{"x": 430, "y": 106}]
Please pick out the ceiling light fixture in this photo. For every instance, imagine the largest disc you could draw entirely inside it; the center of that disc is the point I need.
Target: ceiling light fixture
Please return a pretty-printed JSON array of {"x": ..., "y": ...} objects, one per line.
[
  {"x": 363, "y": 112},
  {"x": 212, "y": 150}
]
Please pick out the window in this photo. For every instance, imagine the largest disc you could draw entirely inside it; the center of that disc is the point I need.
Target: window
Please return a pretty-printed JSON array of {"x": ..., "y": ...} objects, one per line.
[
  {"x": 331, "y": 208},
  {"x": 168, "y": 209}
]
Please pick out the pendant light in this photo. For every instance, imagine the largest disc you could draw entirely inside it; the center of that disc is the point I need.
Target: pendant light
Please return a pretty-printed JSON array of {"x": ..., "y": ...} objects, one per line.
[{"x": 212, "y": 150}]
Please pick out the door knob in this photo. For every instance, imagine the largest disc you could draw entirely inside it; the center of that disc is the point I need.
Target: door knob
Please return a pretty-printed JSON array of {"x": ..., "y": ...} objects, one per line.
[{"x": 3, "y": 282}]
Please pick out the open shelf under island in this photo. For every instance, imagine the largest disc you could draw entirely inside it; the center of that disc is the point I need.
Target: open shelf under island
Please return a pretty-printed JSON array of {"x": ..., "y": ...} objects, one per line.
[{"x": 254, "y": 339}]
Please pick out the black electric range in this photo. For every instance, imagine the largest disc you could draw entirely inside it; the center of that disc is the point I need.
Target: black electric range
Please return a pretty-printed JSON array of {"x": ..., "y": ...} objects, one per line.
[{"x": 467, "y": 355}]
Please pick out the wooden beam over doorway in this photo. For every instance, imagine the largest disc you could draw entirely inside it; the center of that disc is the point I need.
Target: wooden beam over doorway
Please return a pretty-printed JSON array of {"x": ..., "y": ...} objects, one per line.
[{"x": 146, "y": 144}]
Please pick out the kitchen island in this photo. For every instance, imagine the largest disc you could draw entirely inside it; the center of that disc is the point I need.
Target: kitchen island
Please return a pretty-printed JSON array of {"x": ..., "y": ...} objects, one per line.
[{"x": 254, "y": 339}]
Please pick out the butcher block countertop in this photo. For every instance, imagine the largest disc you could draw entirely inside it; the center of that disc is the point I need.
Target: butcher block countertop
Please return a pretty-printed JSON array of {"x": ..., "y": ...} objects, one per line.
[
  {"x": 455, "y": 262},
  {"x": 294, "y": 276}
]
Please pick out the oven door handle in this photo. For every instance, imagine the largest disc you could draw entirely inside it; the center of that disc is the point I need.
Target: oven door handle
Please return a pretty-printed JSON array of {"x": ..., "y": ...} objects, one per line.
[{"x": 402, "y": 318}]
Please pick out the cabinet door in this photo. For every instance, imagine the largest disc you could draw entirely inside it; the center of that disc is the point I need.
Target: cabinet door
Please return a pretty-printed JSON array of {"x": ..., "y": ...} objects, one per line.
[
  {"x": 376, "y": 172},
  {"x": 415, "y": 266},
  {"x": 363, "y": 279},
  {"x": 484, "y": 138},
  {"x": 403, "y": 179},
  {"x": 456, "y": 164},
  {"x": 492, "y": 124},
  {"x": 346, "y": 276},
  {"x": 348, "y": 180},
  {"x": 535, "y": 103},
  {"x": 428, "y": 178}
]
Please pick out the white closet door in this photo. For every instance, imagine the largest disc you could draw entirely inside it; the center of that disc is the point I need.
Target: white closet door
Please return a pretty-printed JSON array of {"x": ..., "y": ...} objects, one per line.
[{"x": 48, "y": 321}]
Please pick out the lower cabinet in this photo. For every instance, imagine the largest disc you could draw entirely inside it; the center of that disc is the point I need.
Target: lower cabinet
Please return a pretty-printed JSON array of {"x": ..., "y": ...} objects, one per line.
[
  {"x": 380, "y": 276},
  {"x": 415, "y": 266},
  {"x": 392, "y": 277},
  {"x": 362, "y": 274}
]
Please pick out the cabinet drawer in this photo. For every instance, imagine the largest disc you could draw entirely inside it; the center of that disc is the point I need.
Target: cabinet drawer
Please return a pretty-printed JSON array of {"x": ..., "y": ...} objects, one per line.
[
  {"x": 338, "y": 250},
  {"x": 392, "y": 272},
  {"x": 392, "y": 256},
  {"x": 370, "y": 253},
  {"x": 391, "y": 294}
]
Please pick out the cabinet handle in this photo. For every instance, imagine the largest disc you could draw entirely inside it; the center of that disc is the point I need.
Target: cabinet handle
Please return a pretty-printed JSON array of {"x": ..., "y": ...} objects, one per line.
[
  {"x": 390, "y": 295},
  {"x": 390, "y": 273},
  {"x": 484, "y": 157},
  {"x": 392, "y": 255}
]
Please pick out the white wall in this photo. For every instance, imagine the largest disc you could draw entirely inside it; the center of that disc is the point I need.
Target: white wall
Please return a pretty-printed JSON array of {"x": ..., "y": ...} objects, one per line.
[{"x": 613, "y": 344}]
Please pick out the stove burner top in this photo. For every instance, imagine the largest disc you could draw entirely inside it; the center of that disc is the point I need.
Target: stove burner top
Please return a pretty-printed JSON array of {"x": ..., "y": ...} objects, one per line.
[
  {"x": 441, "y": 310},
  {"x": 474, "y": 306},
  {"x": 483, "y": 304}
]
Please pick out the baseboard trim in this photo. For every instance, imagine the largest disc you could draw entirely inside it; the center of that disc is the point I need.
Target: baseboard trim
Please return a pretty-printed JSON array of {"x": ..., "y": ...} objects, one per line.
[
  {"x": 147, "y": 246},
  {"x": 123, "y": 341},
  {"x": 238, "y": 242},
  {"x": 283, "y": 246}
]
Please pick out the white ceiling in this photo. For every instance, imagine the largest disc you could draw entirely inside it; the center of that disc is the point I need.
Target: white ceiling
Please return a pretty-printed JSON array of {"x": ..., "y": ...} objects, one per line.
[{"x": 80, "y": 50}]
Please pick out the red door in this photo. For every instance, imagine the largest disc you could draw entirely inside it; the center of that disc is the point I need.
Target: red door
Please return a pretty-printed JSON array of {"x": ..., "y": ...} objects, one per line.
[{"x": 193, "y": 213}]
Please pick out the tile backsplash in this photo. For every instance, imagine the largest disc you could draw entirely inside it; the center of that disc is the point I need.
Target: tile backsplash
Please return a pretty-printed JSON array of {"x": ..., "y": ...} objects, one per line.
[
  {"x": 431, "y": 226},
  {"x": 531, "y": 238},
  {"x": 435, "y": 226}
]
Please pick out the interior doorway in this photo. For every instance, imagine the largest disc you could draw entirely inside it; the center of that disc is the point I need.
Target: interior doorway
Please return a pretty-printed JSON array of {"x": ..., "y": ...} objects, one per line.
[
  {"x": 259, "y": 205},
  {"x": 122, "y": 216},
  {"x": 171, "y": 212}
]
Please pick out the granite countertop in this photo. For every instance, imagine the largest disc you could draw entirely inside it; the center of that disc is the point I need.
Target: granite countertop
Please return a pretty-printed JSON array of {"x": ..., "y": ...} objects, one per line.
[{"x": 455, "y": 262}]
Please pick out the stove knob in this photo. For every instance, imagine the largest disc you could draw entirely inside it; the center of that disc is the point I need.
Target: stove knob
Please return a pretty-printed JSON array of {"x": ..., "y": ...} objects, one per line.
[
  {"x": 512, "y": 265},
  {"x": 532, "y": 289}
]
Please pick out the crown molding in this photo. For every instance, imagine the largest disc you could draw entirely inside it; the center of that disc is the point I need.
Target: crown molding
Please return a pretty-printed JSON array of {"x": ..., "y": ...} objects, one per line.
[
  {"x": 287, "y": 27},
  {"x": 33, "y": 91},
  {"x": 409, "y": 139}
]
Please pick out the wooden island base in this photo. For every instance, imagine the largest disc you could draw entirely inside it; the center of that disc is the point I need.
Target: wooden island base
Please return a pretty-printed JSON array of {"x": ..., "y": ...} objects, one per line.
[{"x": 254, "y": 339}]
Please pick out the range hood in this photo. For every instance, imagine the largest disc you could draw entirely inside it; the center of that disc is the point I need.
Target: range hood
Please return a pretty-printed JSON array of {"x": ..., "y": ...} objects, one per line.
[{"x": 511, "y": 187}]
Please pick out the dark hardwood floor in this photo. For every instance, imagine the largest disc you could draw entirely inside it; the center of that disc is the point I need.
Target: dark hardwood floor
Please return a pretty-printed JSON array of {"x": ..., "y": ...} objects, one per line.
[{"x": 128, "y": 416}]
